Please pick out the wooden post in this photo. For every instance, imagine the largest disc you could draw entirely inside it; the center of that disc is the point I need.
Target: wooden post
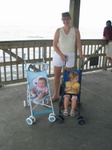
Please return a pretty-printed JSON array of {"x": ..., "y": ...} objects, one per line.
[
  {"x": 74, "y": 9},
  {"x": 0, "y": 77}
]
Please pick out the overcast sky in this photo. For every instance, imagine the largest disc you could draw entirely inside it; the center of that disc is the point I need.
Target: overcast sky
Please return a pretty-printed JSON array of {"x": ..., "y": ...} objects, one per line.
[
  {"x": 32, "y": 12},
  {"x": 93, "y": 13}
]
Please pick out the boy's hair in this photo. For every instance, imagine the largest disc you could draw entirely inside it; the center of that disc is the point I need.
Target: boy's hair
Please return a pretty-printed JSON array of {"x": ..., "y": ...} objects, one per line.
[
  {"x": 66, "y": 14},
  {"x": 73, "y": 75}
]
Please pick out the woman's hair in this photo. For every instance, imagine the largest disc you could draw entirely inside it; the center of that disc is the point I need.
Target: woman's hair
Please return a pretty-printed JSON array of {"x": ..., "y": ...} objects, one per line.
[
  {"x": 66, "y": 14},
  {"x": 108, "y": 23},
  {"x": 73, "y": 75}
]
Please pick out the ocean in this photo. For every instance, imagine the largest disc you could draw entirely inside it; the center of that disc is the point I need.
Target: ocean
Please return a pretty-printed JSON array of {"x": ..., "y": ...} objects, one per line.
[
  {"x": 8, "y": 33},
  {"x": 29, "y": 33}
]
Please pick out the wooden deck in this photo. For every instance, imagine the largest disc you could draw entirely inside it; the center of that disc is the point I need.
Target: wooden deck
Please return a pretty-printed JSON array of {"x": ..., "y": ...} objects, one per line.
[{"x": 96, "y": 108}]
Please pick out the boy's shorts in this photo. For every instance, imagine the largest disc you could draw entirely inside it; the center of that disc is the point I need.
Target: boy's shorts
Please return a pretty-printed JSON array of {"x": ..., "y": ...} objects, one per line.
[
  {"x": 71, "y": 96},
  {"x": 58, "y": 62}
]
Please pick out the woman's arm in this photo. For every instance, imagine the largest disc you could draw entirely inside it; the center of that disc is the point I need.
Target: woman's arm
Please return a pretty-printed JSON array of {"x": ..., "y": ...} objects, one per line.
[{"x": 78, "y": 42}]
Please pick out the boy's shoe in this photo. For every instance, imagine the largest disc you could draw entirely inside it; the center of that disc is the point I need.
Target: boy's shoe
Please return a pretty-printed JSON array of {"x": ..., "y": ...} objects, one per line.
[
  {"x": 65, "y": 113},
  {"x": 72, "y": 113}
]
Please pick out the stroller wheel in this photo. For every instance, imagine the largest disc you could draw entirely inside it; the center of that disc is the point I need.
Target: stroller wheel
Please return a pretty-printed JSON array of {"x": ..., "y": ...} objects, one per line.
[
  {"x": 52, "y": 114},
  {"x": 51, "y": 118},
  {"x": 60, "y": 118},
  {"x": 32, "y": 118},
  {"x": 80, "y": 120},
  {"x": 29, "y": 121}
]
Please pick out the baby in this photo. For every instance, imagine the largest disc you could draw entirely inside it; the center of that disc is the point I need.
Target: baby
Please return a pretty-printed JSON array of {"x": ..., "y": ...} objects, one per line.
[{"x": 40, "y": 90}]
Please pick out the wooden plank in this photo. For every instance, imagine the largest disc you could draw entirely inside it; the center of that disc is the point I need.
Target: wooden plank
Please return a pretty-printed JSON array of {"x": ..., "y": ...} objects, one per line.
[{"x": 8, "y": 51}]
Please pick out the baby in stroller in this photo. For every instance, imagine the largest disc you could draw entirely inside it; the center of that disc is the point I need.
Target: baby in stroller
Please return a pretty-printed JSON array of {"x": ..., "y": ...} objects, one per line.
[
  {"x": 40, "y": 90},
  {"x": 72, "y": 88}
]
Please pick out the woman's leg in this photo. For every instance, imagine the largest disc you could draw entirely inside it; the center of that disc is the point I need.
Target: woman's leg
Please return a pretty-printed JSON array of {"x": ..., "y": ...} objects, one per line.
[
  {"x": 57, "y": 75},
  {"x": 67, "y": 69},
  {"x": 109, "y": 59}
]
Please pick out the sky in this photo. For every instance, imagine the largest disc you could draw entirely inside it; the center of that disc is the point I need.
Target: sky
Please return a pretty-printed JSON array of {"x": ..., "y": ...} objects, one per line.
[
  {"x": 95, "y": 13},
  {"x": 39, "y": 12},
  {"x": 47, "y": 13},
  {"x": 32, "y": 12}
]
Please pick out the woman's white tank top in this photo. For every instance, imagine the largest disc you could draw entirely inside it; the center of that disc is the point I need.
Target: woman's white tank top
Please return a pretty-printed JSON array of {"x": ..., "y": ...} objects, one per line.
[{"x": 67, "y": 41}]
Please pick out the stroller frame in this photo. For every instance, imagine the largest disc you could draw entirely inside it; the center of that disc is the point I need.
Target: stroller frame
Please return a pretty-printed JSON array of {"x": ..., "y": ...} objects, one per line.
[
  {"x": 36, "y": 70},
  {"x": 61, "y": 117}
]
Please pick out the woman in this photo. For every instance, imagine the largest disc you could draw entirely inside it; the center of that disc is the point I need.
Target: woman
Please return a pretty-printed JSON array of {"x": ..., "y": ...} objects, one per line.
[
  {"x": 64, "y": 46},
  {"x": 107, "y": 34}
]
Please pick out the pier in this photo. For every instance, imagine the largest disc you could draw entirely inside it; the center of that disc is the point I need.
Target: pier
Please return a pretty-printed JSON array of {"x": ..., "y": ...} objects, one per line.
[{"x": 96, "y": 108}]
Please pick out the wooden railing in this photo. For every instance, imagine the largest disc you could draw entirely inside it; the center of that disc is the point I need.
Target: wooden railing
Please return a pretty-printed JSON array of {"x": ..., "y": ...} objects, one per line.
[
  {"x": 14, "y": 54},
  {"x": 95, "y": 55}
]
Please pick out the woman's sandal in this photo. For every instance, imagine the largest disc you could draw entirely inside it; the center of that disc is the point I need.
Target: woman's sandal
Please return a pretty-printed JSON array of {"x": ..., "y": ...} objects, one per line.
[{"x": 55, "y": 99}]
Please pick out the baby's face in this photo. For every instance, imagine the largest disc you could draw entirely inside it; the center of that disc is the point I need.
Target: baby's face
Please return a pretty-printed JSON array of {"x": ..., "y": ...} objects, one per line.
[{"x": 41, "y": 83}]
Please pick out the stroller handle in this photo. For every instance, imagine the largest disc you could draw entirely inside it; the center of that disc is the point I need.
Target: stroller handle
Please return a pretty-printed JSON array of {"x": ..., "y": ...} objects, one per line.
[{"x": 81, "y": 64}]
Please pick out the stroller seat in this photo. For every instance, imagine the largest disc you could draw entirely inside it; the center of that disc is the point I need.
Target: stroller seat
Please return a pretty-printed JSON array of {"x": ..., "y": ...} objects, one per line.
[
  {"x": 38, "y": 92},
  {"x": 65, "y": 78}
]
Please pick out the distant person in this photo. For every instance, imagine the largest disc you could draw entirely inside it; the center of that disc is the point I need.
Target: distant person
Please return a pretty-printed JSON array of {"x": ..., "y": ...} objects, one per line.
[
  {"x": 107, "y": 34},
  {"x": 64, "y": 42},
  {"x": 72, "y": 88}
]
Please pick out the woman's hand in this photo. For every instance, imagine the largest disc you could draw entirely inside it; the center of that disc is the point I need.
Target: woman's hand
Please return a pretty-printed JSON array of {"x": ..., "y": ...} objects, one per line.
[
  {"x": 82, "y": 57},
  {"x": 63, "y": 57}
]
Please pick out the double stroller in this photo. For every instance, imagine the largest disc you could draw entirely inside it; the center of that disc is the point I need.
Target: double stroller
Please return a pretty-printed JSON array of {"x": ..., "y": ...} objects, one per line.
[{"x": 38, "y": 92}]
